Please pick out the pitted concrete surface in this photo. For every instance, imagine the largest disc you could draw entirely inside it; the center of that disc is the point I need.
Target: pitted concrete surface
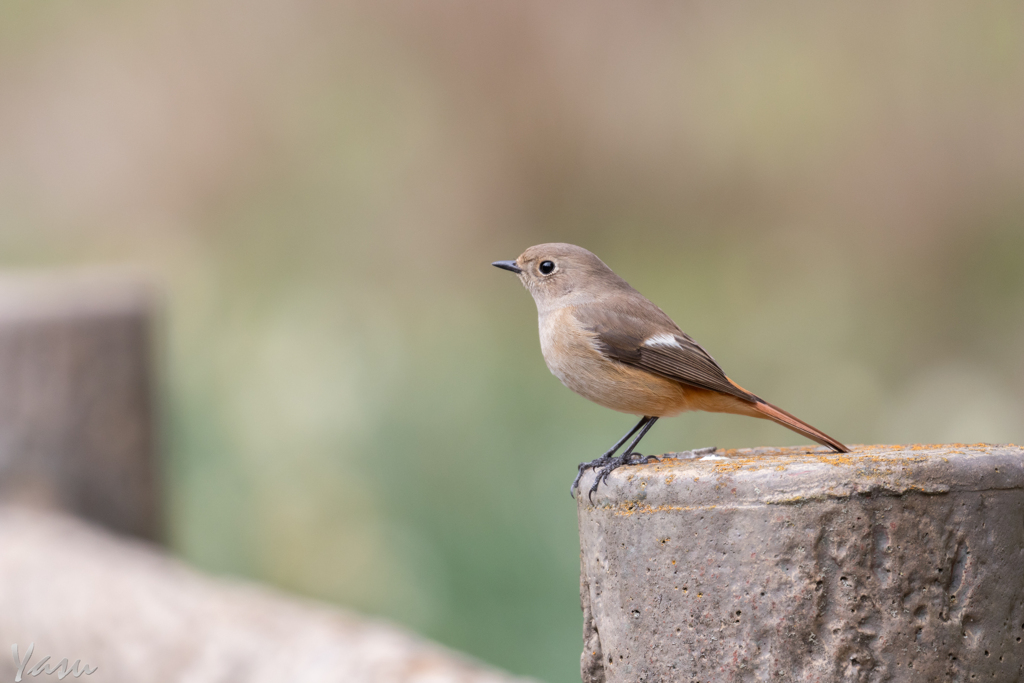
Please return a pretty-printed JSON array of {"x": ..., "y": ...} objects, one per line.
[{"x": 891, "y": 563}]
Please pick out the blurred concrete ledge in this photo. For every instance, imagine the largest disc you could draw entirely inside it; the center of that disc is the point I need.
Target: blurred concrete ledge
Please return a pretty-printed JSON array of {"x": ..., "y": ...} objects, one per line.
[
  {"x": 80, "y": 592},
  {"x": 890, "y": 563}
]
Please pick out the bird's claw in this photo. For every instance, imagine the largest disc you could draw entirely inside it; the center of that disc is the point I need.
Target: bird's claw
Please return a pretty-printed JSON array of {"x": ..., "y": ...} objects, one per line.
[
  {"x": 583, "y": 467},
  {"x": 613, "y": 464},
  {"x": 606, "y": 465}
]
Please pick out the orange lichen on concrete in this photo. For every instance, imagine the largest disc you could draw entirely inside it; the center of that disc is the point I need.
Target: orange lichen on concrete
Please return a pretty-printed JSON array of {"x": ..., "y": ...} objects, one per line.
[
  {"x": 739, "y": 478},
  {"x": 732, "y": 460},
  {"x": 629, "y": 508}
]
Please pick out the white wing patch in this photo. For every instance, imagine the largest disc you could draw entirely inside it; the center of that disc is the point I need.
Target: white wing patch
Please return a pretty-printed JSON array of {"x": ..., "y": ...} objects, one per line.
[{"x": 662, "y": 339}]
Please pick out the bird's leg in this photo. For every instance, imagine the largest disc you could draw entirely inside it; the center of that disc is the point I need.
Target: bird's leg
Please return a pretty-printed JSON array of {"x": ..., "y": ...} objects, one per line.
[
  {"x": 624, "y": 459},
  {"x": 606, "y": 458}
]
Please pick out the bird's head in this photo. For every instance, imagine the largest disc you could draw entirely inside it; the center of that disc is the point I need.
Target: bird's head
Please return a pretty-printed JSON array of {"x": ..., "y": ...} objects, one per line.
[{"x": 560, "y": 274}]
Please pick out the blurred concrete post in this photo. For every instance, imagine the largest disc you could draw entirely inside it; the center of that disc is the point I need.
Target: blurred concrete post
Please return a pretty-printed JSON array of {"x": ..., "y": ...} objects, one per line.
[
  {"x": 891, "y": 563},
  {"x": 76, "y": 398}
]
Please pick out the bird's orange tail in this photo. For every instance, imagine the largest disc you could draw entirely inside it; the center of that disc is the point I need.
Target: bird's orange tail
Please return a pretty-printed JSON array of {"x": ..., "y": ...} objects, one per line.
[{"x": 786, "y": 420}]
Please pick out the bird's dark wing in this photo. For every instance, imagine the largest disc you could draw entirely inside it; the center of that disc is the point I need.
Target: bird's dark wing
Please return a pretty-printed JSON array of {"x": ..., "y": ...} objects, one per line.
[{"x": 626, "y": 336}]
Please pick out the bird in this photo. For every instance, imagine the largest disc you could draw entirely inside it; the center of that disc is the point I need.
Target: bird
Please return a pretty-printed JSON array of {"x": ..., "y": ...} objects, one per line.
[{"x": 610, "y": 344}]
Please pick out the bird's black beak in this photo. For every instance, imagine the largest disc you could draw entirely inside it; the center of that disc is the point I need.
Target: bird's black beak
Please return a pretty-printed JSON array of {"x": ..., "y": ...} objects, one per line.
[{"x": 508, "y": 265}]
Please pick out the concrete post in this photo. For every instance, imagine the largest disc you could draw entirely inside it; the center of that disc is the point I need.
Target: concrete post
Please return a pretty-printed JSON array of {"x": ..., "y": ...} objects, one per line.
[
  {"x": 76, "y": 405},
  {"x": 892, "y": 563}
]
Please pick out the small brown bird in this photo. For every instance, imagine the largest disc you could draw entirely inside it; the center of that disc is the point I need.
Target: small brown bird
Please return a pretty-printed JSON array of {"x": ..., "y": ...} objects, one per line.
[{"x": 608, "y": 343}]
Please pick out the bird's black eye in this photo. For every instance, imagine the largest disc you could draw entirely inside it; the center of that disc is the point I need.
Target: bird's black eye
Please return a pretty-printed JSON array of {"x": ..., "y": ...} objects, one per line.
[{"x": 546, "y": 267}]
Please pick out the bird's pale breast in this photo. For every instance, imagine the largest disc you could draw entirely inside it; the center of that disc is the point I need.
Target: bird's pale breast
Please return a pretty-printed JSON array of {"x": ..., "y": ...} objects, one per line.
[{"x": 572, "y": 356}]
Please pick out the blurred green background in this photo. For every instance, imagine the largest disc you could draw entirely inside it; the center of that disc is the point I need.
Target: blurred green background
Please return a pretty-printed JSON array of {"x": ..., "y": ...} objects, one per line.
[{"x": 829, "y": 197}]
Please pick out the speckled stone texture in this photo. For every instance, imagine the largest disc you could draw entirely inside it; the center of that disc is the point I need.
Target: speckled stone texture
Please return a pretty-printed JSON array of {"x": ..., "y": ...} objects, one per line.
[{"x": 891, "y": 563}]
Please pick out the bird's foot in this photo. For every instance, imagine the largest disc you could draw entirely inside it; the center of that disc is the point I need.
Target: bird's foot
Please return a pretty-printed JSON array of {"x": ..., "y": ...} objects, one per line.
[
  {"x": 604, "y": 463},
  {"x": 613, "y": 464},
  {"x": 584, "y": 466}
]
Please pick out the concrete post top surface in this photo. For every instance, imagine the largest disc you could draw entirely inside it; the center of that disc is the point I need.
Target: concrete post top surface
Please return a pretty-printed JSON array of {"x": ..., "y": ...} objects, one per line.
[
  {"x": 782, "y": 476},
  {"x": 71, "y": 293}
]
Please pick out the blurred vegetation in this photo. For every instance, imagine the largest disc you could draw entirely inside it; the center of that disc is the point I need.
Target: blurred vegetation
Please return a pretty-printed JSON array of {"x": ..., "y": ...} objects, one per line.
[{"x": 829, "y": 197}]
